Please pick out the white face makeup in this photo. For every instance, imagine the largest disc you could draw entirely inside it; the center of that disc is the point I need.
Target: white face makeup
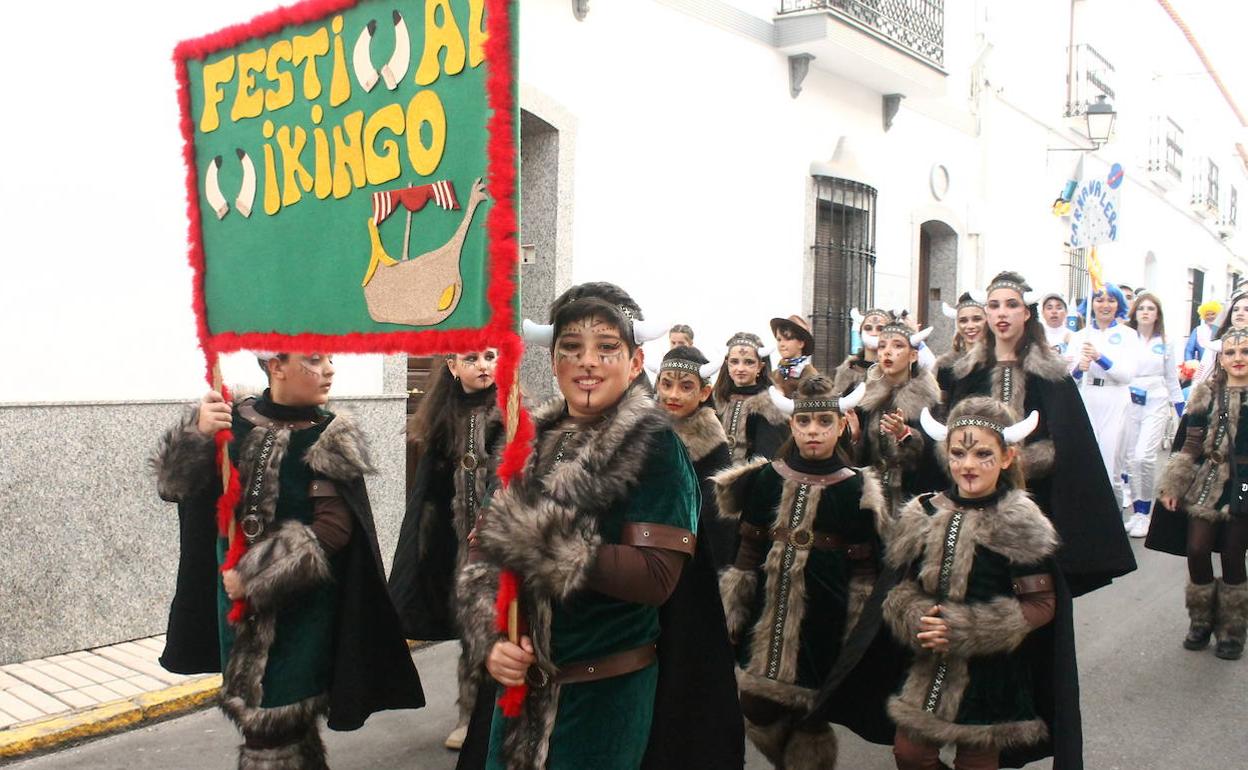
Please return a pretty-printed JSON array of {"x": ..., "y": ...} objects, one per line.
[
  {"x": 593, "y": 366},
  {"x": 744, "y": 365},
  {"x": 475, "y": 370},
  {"x": 681, "y": 393},
  {"x": 815, "y": 433},
  {"x": 1007, "y": 315},
  {"x": 976, "y": 459},
  {"x": 971, "y": 323}
]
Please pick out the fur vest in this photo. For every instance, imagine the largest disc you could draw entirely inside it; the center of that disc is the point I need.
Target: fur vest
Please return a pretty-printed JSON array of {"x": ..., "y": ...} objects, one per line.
[
  {"x": 1197, "y": 474},
  {"x": 965, "y": 559},
  {"x": 700, "y": 432},
  {"x": 851, "y": 372},
  {"x": 891, "y": 459},
  {"x": 1007, "y": 386},
  {"x": 735, "y": 416},
  {"x": 785, "y": 651}
]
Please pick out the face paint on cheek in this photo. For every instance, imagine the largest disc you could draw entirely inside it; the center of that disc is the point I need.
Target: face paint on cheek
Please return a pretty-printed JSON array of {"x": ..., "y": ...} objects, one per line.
[{"x": 988, "y": 463}]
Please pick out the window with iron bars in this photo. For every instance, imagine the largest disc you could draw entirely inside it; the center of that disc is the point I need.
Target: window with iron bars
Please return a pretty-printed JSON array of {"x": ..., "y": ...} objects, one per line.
[
  {"x": 844, "y": 258},
  {"x": 1211, "y": 185},
  {"x": 1078, "y": 284}
]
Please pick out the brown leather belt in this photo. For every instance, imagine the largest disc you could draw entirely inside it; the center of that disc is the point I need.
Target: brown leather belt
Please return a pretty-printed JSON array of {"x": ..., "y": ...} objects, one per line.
[
  {"x": 803, "y": 538},
  {"x": 617, "y": 664},
  {"x": 644, "y": 534},
  {"x": 1033, "y": 584}
]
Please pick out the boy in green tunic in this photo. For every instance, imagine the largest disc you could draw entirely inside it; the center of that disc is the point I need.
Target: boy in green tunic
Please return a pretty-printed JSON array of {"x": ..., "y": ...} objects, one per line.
[
  {"x": 599, "y": 529},
  {"x": 315, "y": 633}
]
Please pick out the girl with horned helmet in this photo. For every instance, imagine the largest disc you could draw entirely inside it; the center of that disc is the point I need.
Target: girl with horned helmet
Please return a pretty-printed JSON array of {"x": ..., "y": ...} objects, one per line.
[
  {"x": 853, "y": 370},
  {"x": 752, "y": 424},
  {"x": 1104, "y": 356},
  {"x": 683, "y": 388},
  {"x": 454, "y": 429},
  {"x": 621, "y": 640},
  {"x": 1016, "y": 366},
  {"x": 897, "y": 392},
  {"x": 810, "y": 550},
  {"x": 1206, "y": 480},
  {"x": 971, "y": 326},
  {"x": 982, "y": 609}
]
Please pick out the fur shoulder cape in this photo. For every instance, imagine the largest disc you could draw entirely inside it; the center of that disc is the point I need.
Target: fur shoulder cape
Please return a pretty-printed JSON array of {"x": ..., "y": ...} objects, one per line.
[
  {"x": 760, "y": 403},
  {"x": 700, "y": 432},
  {"x": 1039, "y": 360},
  {"x": 910, "y": 397},
  {"x": 1196, "y": 478},
  {"x": 1014, "y": 528},
  {"x": 848, "y": 374}
]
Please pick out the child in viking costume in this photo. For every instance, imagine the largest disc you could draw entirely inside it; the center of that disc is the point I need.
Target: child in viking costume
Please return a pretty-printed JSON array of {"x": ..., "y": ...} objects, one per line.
[
  {"x": 752, "y": 424},
  {"x": 625, "y": 655},
  {"x": 978, "y": 583},
  {"x": 795, "y": 344},
  {"x": 972, "y": 326},
  {"x": 1061, "y": 460},
  {"x": 454, "y": 428},
  {"x": 853, "y": 370},
  {"x": 891, "y": 442},
  {"x": 306, "y": 627},
  {"x": 683, "y": 388},
  {"x": 1207, "y": 479},
  {"x": 810, "y": 549}
]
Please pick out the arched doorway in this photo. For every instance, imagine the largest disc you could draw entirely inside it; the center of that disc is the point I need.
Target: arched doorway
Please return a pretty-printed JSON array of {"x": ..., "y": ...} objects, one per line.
[{"x": 938, "y": 280}]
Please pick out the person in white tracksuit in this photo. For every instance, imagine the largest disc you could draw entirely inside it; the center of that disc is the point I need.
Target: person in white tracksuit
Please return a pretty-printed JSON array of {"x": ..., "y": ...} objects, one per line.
[
  {"x": 1106, "y": 354},
  {"x": 1234, "y": 316},
  {"x": 1154, "y": 391}
]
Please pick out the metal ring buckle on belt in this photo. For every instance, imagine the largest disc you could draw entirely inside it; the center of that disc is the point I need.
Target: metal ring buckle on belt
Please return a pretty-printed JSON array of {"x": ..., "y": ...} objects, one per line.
[
  {"x": 732, "y": 441},
  {"x": 469, "y": 462},
  {"x": 801, "y": 538},
  {"x": 253, "y": 527}
]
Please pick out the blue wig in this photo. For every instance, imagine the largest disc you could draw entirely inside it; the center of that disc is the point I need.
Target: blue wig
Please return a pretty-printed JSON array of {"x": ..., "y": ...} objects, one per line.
[{"x": 1114, "y": 292}]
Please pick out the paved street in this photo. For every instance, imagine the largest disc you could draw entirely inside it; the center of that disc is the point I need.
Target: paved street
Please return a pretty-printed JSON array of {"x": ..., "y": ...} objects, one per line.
[{"x": 1147, "y": 703}]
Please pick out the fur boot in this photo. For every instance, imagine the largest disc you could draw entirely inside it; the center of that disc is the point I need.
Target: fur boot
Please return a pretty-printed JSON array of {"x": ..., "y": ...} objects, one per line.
[
  {"x": 814, "y": 750},
  {"x": 1200, "y": 603},
  {"x": 307, "y": 753},
  {"x": 1232, "y": 622}
]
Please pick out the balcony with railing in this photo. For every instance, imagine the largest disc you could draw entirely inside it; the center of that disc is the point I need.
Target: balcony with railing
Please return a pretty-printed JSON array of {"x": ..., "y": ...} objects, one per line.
[
  {"x": 1165, "y": 152},
  {"x": 891, "y": 46},
  {"x": 1089, "y": 76}
]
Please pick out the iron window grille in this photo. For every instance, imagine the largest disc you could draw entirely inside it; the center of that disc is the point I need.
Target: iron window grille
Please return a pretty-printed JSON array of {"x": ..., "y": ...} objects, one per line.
[
  {"x": 1211, "y": 186},
  {"x": 1078, "y": 284},
  {"x": 1167, "y": 148},
  {"x": 1232, "y": 207},
  {"x": 844, "y": 261},
  {"x": 918, "y": 26},
  {"x": 1092, "y": 76}
]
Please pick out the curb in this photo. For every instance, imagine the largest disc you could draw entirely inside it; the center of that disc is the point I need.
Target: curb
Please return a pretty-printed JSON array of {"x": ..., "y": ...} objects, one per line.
[{"x": 107, "y": 718}]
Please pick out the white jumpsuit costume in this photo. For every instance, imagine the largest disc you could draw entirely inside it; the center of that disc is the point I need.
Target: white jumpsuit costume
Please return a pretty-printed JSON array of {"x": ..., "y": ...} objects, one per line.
[
  {"x": 1105, "y": 388},
  {"x": 1156, "y": 383}
]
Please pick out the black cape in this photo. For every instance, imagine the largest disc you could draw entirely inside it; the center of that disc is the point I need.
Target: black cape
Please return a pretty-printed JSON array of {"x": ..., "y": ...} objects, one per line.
[
  {"x": 694, "y": 726},
  {"x": 373, "y": 669},
  {"x": 422, "y": 576},
  {"x": 719, "y": 535},
  {"x": 1076, "y": 495}
]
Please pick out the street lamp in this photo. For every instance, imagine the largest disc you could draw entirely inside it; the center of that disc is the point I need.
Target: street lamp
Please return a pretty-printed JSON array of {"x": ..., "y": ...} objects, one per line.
[{"x": 1100, "y": 117}]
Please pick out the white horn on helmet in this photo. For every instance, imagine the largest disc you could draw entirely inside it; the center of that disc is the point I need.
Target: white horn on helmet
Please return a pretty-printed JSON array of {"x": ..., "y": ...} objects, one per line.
[
  {"x": 782, "y": 402},
  {"x": 1214, "y": 345},
  {"x": 542, "y": 335},
  {"x": 949, "y": 310},
  {"x": 917, "y": 338},
  {"x": 644, "y": 331},
  {"x": 845, "y": 403},
  {"x": 766, "y": 350},
  {"x": 708, "y": 370},
  {"x": 1022, "y": 429},
  {"x": 870, "y": 341},
  {"x": 933, "y": 427},
  {"x": 979, "y": 295},
  {"x": 1032, "y": 297},
  {"x": 856, "y": 316}
]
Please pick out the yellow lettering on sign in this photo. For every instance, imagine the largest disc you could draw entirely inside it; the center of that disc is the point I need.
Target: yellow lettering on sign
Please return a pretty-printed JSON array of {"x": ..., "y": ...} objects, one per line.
[
  {"x": 437, "y": 37},
  {"x": 294, "y": 174},
  {"x": 306, "y": 49},
  {"x": 215, "y": 75},
  {"x": 349, "y": 156},
  {"x": 284, "y": 94},
  {"x": 476, "y": 33},
  {"x": 382, "y": 166},
  {"x": 248, "y": 100},
  {"x": 425, "y": 107},
  {"x": 322, "y": 172},
  {"x": 271, "y": 200},
  {"x": 339, "y": 84}
]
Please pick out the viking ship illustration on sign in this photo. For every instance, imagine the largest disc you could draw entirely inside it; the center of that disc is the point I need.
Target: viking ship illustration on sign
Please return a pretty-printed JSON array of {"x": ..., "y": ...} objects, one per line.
[{"x": 425, "y": 289}]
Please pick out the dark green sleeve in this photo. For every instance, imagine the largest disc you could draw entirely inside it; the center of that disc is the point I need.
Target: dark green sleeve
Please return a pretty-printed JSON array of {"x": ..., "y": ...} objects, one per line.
[{"x": 667, "y": 491}]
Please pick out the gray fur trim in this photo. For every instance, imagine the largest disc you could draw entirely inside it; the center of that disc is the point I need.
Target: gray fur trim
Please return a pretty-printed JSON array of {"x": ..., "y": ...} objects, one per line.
[
  {"x": 476, "y": 587},
  {"x": 283, "y": 565},
  {"x": 341, "y": 452},
  {"x": 183, "y": 459},
  {"x": 811, "y": 750},
  {"x": 550, "y": 545},
  {"x": 847, "y": 376},
  {"x": 469, "y": 683},
  {"x": 974, "y": 357},
  {"x": 909, "y": 536},
  {"x": 249, "y": 453},
  {"x": 1201, "y": 398},
  {"x": 1185, "y": 475},
  {"x": 985, "y": 628},
  {"x": 308, "y": 753},
  {"x": 918, "y": 681},
  {"x": 526, "y": 742},
  {"x": 791, "y": 695},
  {"x": 252, "y": 720},
  {"x": 872, "y": 499},
  {"x": 730, "y": 485},
  {"x": 736, "y": 589},
  {"x": 1016, "y": 529},
  {"x": 1038, "y": 457},
  {"x": 1178, "y": 477},
  {"x": 859, "y": 590},
  {"x": 910, "y": 397},
  {"x": 930, "y": 728},
  {"x": 949, "y": 359},
  {"x": 1200, "y": 601},
  {"x": 770, "y": 739},
  {"x": 1232, "y": 612},
  {"x": 903, "y": 607},
  {"x": 701, "y": 432},
  {"x": 1041, "y": 360}
]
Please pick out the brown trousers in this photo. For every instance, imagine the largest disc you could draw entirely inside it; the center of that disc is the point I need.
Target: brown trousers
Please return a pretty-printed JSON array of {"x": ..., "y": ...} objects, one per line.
[{"x": 914, "y": 754}]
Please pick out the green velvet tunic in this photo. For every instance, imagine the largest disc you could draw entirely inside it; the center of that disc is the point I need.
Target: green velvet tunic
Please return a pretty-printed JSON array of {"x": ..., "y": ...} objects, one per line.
[
  {"x": 605, "y": 724},
  {"x": 827, "y": 573},
  {"x": 300, "y": 659}
]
